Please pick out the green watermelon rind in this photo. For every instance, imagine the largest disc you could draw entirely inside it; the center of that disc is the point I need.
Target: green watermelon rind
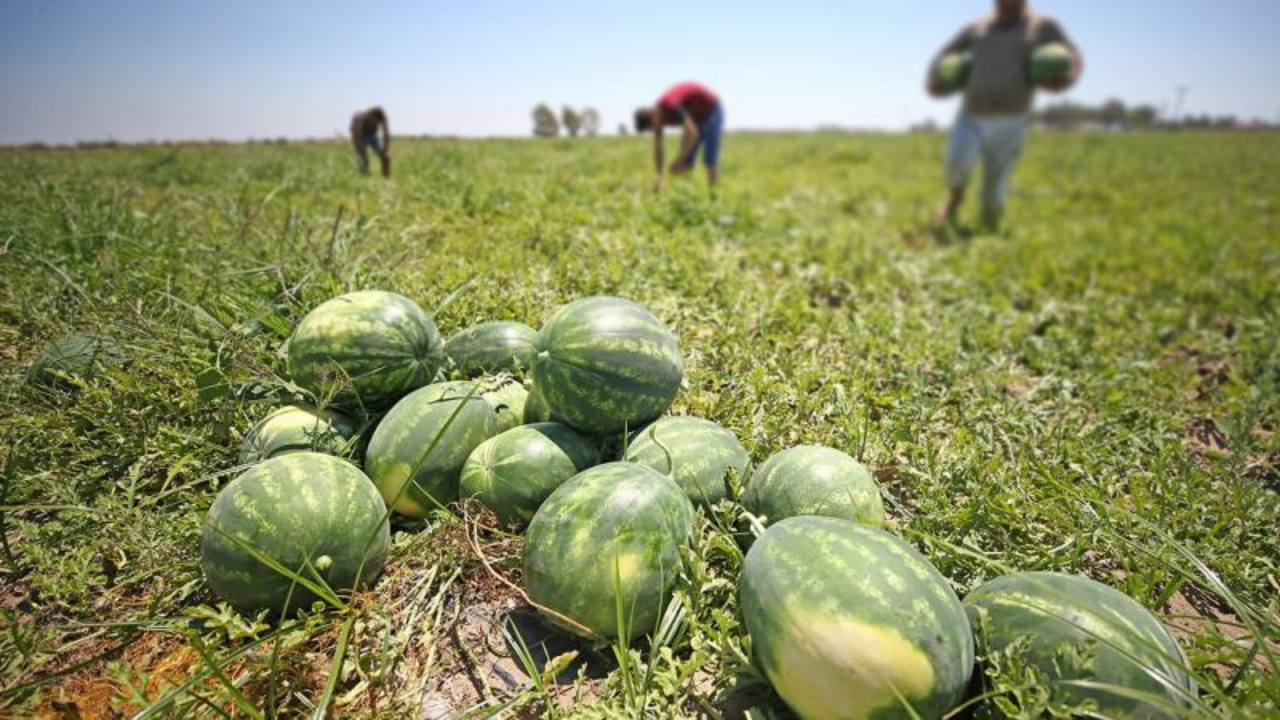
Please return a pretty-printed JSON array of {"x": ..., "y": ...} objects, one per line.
[
  {"x": 365, "y": 350},
  {"x": 508, "y": 397},
  {"x": 295, "y": 509},
  {"x": 606, "y": 365},
  {"x": 514, "y": 472},
  {"x": 299, "y": 428},
  {"x": 953, "y": 71},
  {"x": 1081, "y": 629},
  {"x": 492, "y": 347},
  {"x": 814, "y": 480},
  {"x": 1049, "y": 62},
  {"x": 433, "y": 430},
  {"x": 698, "y": 454},
  {"x": 844, "y": 619},
  {"x": 619, "y": 521}
]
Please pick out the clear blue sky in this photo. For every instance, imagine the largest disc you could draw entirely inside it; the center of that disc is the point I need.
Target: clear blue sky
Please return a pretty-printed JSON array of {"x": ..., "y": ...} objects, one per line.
[{"x": 182, "y": 69}]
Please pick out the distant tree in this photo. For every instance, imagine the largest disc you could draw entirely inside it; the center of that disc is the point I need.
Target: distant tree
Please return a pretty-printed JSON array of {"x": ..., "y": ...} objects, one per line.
[
  {"x": 545, "y": 123},
  {"x": 571, "y": 120},
  {"x": 590, "y": 121},
  {"x": 1114, "y": 112},
  {"x": 1143, "y": 116}
]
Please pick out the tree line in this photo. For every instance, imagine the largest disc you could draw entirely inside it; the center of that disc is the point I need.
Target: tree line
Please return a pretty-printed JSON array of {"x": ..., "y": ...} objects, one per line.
[{"x": 574, "y": 122}]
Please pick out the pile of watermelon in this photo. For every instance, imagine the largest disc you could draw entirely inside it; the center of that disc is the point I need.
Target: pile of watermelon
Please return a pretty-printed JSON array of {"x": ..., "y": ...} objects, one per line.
[{"x": 562, "y": 433}]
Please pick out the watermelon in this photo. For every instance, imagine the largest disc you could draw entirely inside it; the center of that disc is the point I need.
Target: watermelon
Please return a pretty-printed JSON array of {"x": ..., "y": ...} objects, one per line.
[
  {"x": 814, "y": 480},
  {"x": 491, "y": 347},
  {"x": 952, "y": 71},
  {"x": 508, "y": 398},
  {"x": 365, "y": 350},
  {"x": 297, "y": 509},
  {"x": 513, "y": 473},
  {"x": 698, "y": 454},
  {"x": 606, "y": 365},
  {"x": 1051, "y": 61},
  {"x": 535, "y": 408},
  {"x": 297, "y": 428},
  {"x": 847, "y": 619},
  {"x": 1078, "y": 629},
  {"x": 611, "y": 532},
  {"x": 404, "y": 436},
  {"x": 74, "y": 356}
]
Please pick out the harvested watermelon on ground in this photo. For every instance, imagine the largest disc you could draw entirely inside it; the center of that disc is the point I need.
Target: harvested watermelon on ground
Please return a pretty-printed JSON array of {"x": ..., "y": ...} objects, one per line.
[
  {"x": 953, "y": 71},
  {"x": 311, "y": 514},
  {"x": 74, "y": 356},
  {"x": 365, "y": 350},
  {"x": 299, "y": 428},
  {"x": 456, "y": 413},
  {"x": 1050, "y": 62},
  {"x": 814, "y": 480},
  {"x": 1089, "y": 641},
  {"x": 513, "y": 473},
  {"x": 508, "y": 397},
  {"x": 606, "y": 365},
  {"x": 848, "y": 621},
  {"x": 698, "y": 454},
  {"x": 491, "y": 347},
  {"x": 612, "y": 532}
]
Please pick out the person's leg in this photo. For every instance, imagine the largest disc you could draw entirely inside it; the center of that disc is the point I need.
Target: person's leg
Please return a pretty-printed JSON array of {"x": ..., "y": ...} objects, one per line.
[
  {"x": 1003, "y": 141},
  {"x": 712, "y": 133},
  {"x": 376, "y": 143},
  {"x": 962, "y": 154},
  {"x": 362, "y": 155}
]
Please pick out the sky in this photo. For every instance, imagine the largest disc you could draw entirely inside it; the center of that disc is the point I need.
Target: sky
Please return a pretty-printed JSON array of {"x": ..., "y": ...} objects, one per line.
[{"x": 136, "y": 70}]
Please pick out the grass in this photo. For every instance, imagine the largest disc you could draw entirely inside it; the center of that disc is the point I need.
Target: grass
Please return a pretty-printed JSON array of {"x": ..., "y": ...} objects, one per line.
[{"x": 1096, "y": 390}]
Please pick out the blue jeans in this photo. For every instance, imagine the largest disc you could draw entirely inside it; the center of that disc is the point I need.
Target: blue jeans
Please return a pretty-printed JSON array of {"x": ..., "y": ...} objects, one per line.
[
  {"x": 366, "y": 143},
  {"x": 709, "y": 133}
]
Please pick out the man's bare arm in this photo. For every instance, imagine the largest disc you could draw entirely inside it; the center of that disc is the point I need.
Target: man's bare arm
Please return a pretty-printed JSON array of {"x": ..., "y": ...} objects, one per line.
[
  {"x": 386, "y": 136},
  {"x": 688, "y": 139},
  {"x": 658, "y": 156}
]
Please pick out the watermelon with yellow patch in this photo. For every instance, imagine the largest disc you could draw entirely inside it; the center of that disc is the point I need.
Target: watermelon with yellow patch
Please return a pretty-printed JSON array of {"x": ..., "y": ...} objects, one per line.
[
  {"x": 611, "y": 533},
  {"x": 952, "y": 71},
  {"x": 316, "y": 516},
  {"x": 1092, "y": 643},
  {"x": 416, "y": 454},
  {"x": 848, "y": 621},
  {"x": 1049, "y": 62}
]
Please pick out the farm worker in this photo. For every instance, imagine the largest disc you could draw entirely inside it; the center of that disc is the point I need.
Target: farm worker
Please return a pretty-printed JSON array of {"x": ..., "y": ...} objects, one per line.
[
  {"x": 693, "y": 107},
  {"x": 365, "y": 126},
  {"x": 992, "y": 123}
]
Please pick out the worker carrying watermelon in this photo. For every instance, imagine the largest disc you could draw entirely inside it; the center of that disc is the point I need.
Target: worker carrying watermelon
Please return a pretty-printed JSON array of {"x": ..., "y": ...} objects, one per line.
[
  {"x": 999, "y": 62},
  {"x": 698, "y": 111},
  {"x": 365, "y": 128}
]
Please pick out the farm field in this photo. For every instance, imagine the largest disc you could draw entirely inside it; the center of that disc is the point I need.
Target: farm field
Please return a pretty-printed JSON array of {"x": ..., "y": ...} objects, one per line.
[{"x": 1095, "y": 390}]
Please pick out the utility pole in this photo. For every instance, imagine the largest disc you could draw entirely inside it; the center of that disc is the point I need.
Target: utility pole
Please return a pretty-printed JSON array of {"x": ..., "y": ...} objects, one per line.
[{"x": 1182, "y": 98}]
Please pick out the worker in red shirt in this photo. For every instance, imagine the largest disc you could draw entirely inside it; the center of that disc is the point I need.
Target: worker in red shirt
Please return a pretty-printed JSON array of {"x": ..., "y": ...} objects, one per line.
[{"x": 696, "y": 109}]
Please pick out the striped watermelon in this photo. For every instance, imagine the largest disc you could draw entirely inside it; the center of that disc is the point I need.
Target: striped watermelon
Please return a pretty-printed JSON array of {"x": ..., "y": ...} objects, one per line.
[
  {"x": 297, "y": 428},
  {"x": 74, "y": 356},
  {"x": 953, "y": 70},
  {"x": 459, "y": 414},
  {"x": 491, "y": 347},
  {"x": 297, "y": 509},
  {"x": 535, "y": 408},
  {"x": 611, "y": 532},
  {"x": 846, "y": 619},
  {"x": 365, "y": 350},
  {"x": 814, "y": 480},
  {"x": 1050, "y": 62},
  {"x": 606, "y": 364},
  {"x": 1081, "y": 630},
  {"x": 513, "y": 473},
  {"x": 508, "y": 398},
  {"x": 698, "y": 454}
]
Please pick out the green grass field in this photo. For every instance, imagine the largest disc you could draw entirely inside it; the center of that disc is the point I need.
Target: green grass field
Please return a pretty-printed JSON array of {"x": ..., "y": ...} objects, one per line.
[{"x": 1096, "y": 390}]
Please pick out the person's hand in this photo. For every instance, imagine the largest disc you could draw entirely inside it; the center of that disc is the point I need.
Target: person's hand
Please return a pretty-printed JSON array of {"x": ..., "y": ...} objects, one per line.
[{"x": 680, "y": 167}]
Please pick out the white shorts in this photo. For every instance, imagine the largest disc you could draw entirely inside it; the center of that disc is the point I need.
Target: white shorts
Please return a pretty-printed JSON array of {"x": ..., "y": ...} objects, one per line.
[{"x": 997, "y": 141}]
